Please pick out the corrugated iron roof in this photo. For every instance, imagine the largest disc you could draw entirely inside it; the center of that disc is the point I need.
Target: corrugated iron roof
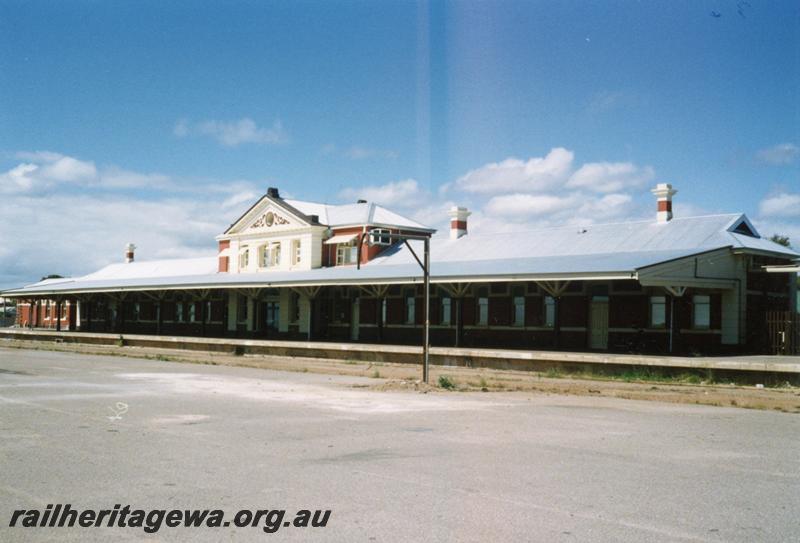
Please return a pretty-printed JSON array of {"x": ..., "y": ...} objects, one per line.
[
  {"x": 356, "y": 214},
  {"x": 610, "y": 251}
]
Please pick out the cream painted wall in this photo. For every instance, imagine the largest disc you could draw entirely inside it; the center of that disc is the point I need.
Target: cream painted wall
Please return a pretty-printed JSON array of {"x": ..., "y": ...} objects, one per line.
[{"x": 290, "y": 231}]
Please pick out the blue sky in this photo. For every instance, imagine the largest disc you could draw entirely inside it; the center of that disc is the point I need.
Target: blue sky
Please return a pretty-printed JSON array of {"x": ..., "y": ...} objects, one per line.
[{"x": 157, "y": 122}]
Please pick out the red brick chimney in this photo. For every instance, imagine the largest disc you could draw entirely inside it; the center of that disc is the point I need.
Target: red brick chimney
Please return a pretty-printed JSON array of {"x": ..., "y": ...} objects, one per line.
[
  {"x": 664, "y": 193},
  {"x": 458, "y": 221},
  {"x": 129, "y": 248}
]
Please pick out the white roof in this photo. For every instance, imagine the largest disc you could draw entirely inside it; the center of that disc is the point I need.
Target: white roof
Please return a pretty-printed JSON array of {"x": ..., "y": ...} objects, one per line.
[
  {"x": 175, "y": 267},
  {"x": 679, "y": 235},
  {"x": 355, "y": 214},
  {"x": 611, "y": 251}
]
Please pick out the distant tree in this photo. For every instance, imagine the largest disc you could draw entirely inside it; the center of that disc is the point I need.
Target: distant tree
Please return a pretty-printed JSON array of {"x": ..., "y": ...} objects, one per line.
[
  {"x": 52, "y": 276},
  {"x": 781, "y": 240}
]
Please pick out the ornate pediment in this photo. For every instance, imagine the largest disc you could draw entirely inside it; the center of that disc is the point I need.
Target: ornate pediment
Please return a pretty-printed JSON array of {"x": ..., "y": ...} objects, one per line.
[
  {"x": 268, "y": 220},
  {"x": 269, "y": 215}
]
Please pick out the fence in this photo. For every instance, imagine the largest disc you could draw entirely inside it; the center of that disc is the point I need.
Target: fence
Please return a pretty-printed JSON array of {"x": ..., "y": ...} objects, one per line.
[{"x": 783, "y": 332}]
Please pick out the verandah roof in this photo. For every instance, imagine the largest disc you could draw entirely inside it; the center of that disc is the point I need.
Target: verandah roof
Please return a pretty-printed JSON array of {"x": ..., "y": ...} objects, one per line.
[{"x": 614, "y": 266}]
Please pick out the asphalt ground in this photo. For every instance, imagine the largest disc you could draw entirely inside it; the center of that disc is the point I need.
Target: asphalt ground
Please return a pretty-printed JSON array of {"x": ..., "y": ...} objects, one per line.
[{"x": 96, "y": 431}]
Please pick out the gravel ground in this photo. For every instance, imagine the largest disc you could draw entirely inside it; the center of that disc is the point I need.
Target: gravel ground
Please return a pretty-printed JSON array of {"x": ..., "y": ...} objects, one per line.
[{"x": 397, "y": 465}]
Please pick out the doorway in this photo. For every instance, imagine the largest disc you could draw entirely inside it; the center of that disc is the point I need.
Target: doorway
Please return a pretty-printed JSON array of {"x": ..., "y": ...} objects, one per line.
[
  {"x": 355, "y": 319},
  {"x": 598, "y": 323},
  {"x": 272, "y": 316}
]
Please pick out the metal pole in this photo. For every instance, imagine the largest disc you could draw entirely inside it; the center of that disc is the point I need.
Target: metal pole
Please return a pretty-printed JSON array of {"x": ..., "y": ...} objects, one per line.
[
  {"x": 426, "y": 270},
  {"x": 426, "y": 344}
]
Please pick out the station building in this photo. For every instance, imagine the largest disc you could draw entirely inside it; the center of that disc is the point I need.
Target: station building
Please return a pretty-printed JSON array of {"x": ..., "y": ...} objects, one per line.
[{"x": 290, "y": 269}]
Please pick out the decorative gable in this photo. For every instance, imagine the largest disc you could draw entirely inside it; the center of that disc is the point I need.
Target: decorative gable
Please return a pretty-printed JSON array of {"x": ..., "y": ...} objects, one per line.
[
  {"x": 268, "y": 220},
  {"x": 268, "y": 216}
]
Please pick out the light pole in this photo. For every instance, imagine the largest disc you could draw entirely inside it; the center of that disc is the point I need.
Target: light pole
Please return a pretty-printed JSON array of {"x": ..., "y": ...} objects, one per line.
[{"x": 425, "y": 264}]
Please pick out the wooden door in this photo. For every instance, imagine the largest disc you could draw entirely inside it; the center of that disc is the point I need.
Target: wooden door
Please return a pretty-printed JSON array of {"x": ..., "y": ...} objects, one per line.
[{"x": 598, "y": 324}]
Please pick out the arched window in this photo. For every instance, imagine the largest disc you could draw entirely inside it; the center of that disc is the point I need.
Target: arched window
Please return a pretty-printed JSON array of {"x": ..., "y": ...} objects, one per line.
[
  {"x": 275, "y": 254},
  {"x": 263, "y": 256}
]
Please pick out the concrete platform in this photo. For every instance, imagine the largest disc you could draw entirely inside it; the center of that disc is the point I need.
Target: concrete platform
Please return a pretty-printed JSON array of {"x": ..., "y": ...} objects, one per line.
[{"x": 784, "y": 366}]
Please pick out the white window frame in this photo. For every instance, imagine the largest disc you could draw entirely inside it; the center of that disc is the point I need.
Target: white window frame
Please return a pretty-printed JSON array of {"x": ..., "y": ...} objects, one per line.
[
  {"x": 549, "y": 311},
  {"x": 297, "y": 252},
  {"x": 244, "y": 258},
  {"x": 380, "y": 236},
  {"x": 658, "y": 312},
  {"x": 275, "y": 254},
  {"x": 518, "y": 305},
  {"x": 701, "y": 311},
  {"x": 345, "y": 253},
  {"x": 263, "y": 256},
  {"x": 447, "y": 311},
  {"x": 482, "y": 309},
  {"x": 411, "y": 306}
]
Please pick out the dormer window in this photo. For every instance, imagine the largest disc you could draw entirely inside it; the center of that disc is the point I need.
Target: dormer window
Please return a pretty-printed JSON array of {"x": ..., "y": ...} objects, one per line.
[
  {"x": 744, "y": 229},
  {"x": 380, "y": 236}
]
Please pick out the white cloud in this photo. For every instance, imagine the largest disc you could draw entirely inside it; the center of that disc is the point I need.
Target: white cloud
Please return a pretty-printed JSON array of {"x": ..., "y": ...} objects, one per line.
[
  {"x": 548, "y": 195},
  {"x": 768, "y": 226},
  {"x": 783, "y": 153},
  {"x": 18, "y": 179},
  {"x": 47, "y": 170},
  {"x": 38, "y": 156},
  {"x": 240, "y": 198},
  {"x": 58, "y": 167},
  {"x": 118, "y": 178},
  {"x": 609, "y": 207},
  {"x": 529, "y": 206},
  {"x": 169, "y": 227},
  {"x": 52, "y": 169},
  {"x": 557, "y": 209},
  {"x": 610, "y": 176},
  {"x": 233, "y": 133},
  {"x": 172, "y": 218},
  {"x": 783, "y": 204},
  {"x": 69, "y": 169},
  {"x": 397, "y": 194},
  {"x": 515, "y": 175}
]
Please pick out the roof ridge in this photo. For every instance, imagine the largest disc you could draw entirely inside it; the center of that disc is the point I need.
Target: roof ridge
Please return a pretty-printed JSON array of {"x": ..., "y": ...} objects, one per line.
[{"x": 594, "y": 225}]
